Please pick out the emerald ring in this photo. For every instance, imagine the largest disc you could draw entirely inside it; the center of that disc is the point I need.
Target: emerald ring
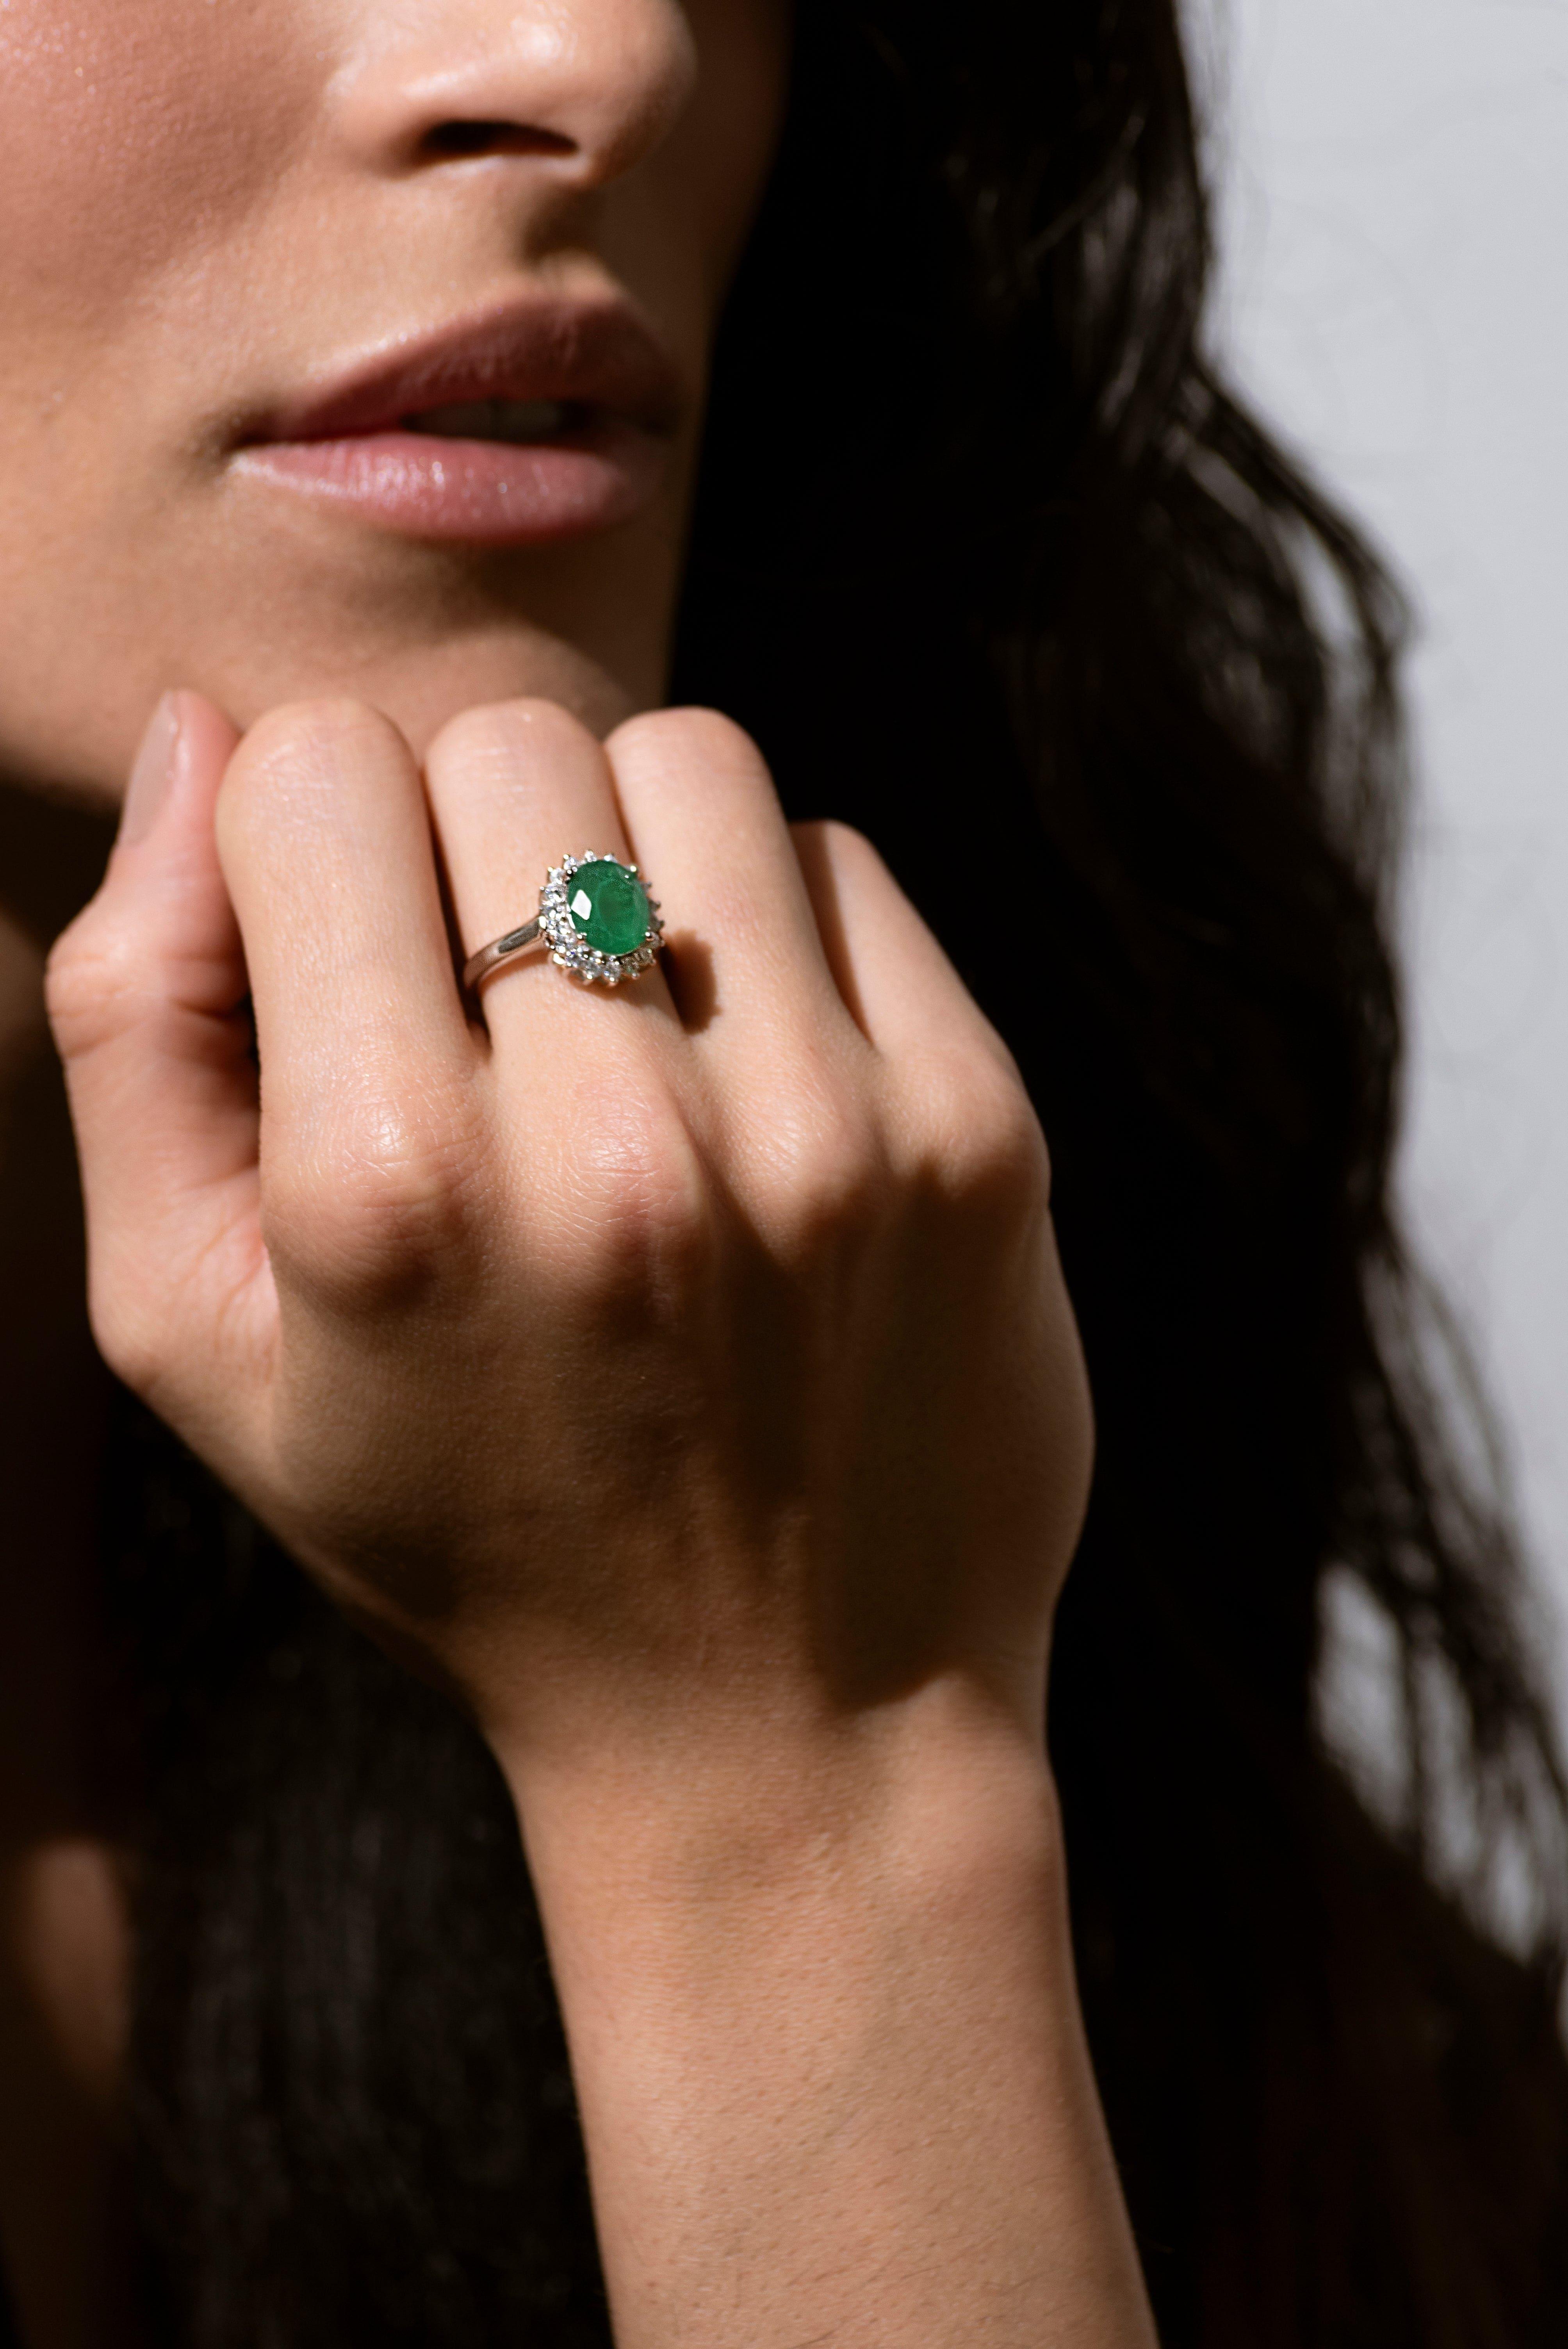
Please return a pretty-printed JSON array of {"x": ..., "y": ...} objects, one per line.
[{"x": 597, "y": 917}]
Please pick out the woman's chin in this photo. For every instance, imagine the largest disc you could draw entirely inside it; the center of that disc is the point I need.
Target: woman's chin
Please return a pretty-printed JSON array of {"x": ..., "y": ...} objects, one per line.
[
  {"x": 418, "y": 684},
  {"x": 421, "y": 686},
  {"x": 423, "y": 640}
]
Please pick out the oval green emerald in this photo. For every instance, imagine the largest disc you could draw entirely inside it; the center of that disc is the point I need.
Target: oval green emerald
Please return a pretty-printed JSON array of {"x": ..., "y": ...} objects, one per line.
[{"x": 609, "y": 906}]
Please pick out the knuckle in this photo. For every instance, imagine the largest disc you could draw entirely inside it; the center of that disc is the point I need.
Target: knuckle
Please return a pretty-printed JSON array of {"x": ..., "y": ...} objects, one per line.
[
  {"x": 835, "y": 859},
  {"x": 298, "y": 751},
  {"x": 324, "y": 731},
  {"x": 509, "y": 734},
  {"x": 832, "y": 842},
  {"x": 129, "y": 1333},
  {"x": 690, "y": 738},
  {"x": 96, "y": 980},
  {"x": 632, "y": 1217},
  {"x": 822, "y": 1175},
  {"x": 977, "y": 1133},
  {"x": 375, "y": 1206}
]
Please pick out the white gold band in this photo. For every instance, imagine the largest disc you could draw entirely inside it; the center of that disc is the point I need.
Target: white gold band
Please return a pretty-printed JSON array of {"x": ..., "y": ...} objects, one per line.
[{"x": 500, "y": 950}]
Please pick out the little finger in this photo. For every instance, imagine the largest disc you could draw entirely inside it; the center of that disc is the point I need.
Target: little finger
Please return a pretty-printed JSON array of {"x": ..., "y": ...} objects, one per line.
[{"x": 953, "y": 1090}]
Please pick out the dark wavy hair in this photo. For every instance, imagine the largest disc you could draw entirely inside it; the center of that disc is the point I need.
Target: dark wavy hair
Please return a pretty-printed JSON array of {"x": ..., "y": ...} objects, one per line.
[{"x": 992, "y": 564}]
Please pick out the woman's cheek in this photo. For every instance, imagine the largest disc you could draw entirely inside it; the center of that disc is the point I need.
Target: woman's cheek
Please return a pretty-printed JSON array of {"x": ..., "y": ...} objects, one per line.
[
  {"x": 131, "y": 131},
  {"x": 141, "y": 144}
]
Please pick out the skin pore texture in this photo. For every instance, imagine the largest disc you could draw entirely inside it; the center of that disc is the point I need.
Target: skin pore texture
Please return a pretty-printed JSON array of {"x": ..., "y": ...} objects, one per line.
[{"x": 758, "y": 1254}]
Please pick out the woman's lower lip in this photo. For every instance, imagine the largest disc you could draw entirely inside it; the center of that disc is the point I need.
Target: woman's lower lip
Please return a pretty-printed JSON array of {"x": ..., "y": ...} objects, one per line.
[{"x": 486, "y": 492}]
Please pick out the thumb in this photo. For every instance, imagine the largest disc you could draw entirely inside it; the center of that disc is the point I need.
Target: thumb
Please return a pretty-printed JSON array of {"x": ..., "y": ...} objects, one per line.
[{"x": 148, "y": 997}]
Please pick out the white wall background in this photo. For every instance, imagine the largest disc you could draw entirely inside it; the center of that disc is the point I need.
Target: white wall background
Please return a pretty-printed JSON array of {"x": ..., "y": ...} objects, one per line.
[{"x": 1394, "y": 183}]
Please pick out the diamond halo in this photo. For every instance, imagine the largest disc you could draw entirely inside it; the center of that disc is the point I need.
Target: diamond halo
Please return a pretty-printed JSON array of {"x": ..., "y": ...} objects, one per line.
[{"x": 569, "y": 949}]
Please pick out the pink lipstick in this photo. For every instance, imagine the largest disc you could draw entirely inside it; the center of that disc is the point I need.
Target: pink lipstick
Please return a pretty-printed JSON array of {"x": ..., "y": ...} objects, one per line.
[{"x": 540, "y": 422}]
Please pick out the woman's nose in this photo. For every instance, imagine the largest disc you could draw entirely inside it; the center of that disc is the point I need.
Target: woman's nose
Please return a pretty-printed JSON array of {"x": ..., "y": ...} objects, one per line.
[{"x": 591, "y": 85}]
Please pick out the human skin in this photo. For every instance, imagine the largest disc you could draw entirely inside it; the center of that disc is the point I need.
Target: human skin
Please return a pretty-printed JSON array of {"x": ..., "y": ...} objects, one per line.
[{"x": 684, "y": 1378}]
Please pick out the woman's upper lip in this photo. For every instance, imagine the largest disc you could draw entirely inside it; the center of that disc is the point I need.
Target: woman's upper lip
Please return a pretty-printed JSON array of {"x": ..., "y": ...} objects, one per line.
[{"x": 600, "y": 354}]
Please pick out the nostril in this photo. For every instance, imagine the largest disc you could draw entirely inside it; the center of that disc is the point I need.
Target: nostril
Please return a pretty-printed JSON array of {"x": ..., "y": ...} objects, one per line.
[{"x": 450, "y": 141}]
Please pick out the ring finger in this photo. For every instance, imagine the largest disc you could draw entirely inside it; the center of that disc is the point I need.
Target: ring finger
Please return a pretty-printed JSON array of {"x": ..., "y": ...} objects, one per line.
[{"x": 514, "y": 788}]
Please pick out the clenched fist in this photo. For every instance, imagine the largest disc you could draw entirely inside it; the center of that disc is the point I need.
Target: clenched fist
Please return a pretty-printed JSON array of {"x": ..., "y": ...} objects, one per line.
[{"x": 624, "y": 1359}]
